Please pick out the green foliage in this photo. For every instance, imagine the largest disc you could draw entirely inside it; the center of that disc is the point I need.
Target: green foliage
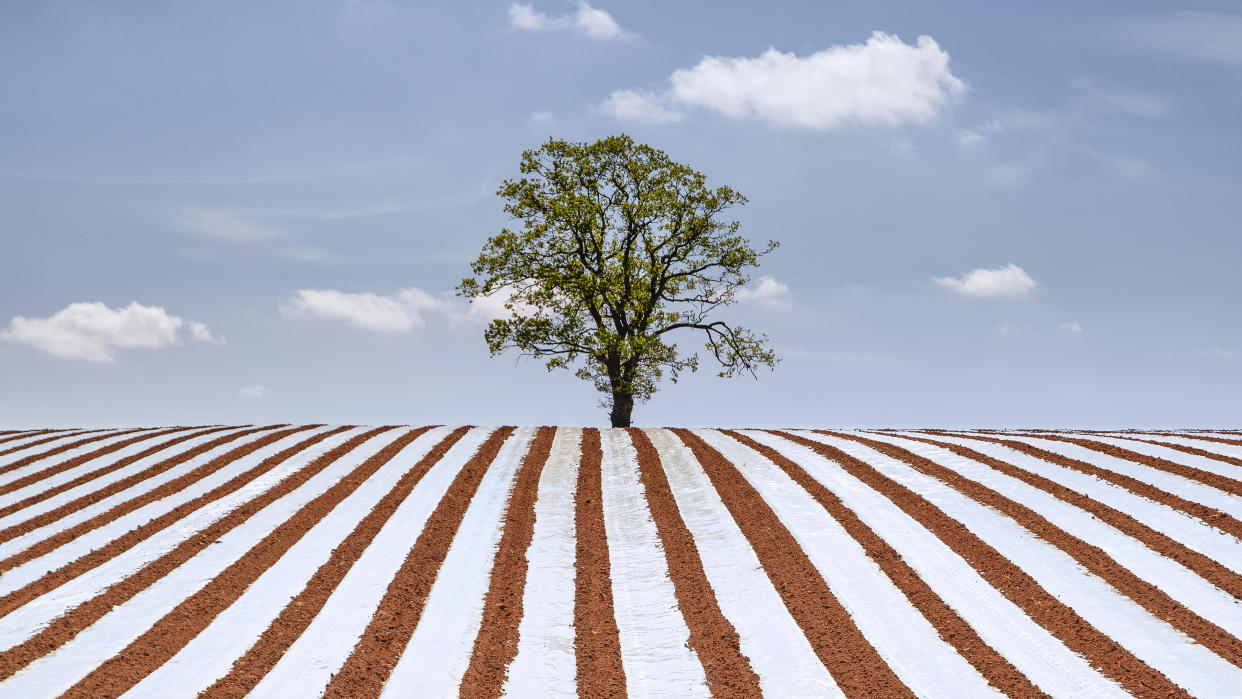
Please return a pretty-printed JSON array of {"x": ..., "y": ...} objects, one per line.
[{"x": 619, "y": 246}]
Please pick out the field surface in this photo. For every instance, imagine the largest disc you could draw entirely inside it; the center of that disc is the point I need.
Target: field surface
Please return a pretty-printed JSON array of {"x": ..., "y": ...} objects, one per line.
[{"x": 300, "y": 561}]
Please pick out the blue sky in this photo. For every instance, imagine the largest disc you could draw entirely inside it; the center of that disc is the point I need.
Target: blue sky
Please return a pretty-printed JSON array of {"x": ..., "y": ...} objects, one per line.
[{"x": 1029, "y": 218}]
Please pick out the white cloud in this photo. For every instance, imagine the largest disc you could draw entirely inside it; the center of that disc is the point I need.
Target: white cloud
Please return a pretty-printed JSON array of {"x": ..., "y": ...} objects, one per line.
[
  {"x": 976, "y": 135},
  {"x": 200, "y": 333},
  {"x": 1010, "y": 281},
  {"x": 635, "y": 105},
  {"x": 255, "y": 391},
  {"x": 93, "y": 332},
  {"x": 400, "y": 312},
  {"x": 1070, "y": 327},
  {"x": 882, "y": 81},
  {"x": 1132, "y": 102},
  {"x": 225, "y": 225},
  {"x": 542, "y": 117},
  {"x": 593, "y": 22},
  {"x": 768, "y": 292}
]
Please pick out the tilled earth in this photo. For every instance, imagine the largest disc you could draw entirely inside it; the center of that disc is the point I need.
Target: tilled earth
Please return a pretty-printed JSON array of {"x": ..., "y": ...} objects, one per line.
[{"x": 301, "y": 561}]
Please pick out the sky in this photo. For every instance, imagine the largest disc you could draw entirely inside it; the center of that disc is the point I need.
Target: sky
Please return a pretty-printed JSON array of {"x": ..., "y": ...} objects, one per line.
[{"x": 990, "y": 214}]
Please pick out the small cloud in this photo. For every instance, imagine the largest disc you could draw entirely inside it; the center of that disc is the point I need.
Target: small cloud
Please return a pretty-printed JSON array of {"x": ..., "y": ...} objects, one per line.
[
  {"x": 256, "y": 391},
  {"x": 1070, "y": 327},
  {"x": 633, "y": 105},
  {"x": 1010, "y": 281},
  {"x": 1131, "y": 102},
  {"x": 310, "y": 255},
  {"x": 93, "y": 332},
  {"x": 768, "y": 293},
  {"x": 400, "y": 312},
  {"x": 968, "y": 138},
  {"x": 225, "y": 225},
  {"x": 542, "y": 117},
  {"x": 1220, "y": 353},
  {"x": 900, "y": 147},
  {"x": 883, "y": 81},
  {"x": 590, "y": 21}
]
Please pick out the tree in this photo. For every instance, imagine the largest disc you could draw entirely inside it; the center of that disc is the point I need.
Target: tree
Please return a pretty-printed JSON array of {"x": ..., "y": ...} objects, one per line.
[{"x": 619, "y": 247}]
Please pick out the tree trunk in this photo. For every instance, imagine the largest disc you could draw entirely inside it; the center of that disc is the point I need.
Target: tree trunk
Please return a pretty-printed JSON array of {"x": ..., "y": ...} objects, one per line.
[{"x": 622, "y": 406}]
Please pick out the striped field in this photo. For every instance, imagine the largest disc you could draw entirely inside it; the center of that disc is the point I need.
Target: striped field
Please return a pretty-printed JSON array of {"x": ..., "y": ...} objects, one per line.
[{"x": 304, "y": 561}]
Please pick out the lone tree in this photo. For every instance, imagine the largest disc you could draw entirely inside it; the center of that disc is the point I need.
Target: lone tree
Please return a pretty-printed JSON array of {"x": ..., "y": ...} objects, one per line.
[{"x": 619, "y": 246}]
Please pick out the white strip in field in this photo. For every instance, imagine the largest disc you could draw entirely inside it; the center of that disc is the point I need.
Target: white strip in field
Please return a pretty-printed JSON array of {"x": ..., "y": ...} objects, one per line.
[
  {"x": 653, "y": 633},
  {"x": 1202, "y": 463},
  {"x": 777, "y": 648},
  {"x": 89, "y": 584},
  {"x": 22, "y": 444},
  {"x": 439, "y": 651},
  {"x": 1179, "y": 526},
  {"x": 104, "y": 504},
  {"x": 1171, "y": 577},
  {"x": 546, "y": 664},
  {"x": 999, "y": 622},
  {"x": 46, "y": 461},
  {"x": 1152, "y": 640},
  {"x": 56, "y": 672},
  {"x": 308, "y": 665},
  {"x": 1205, "y": 445},
  {"x": 210, "y": 655},
  {"x": 1168, "y": 482}
]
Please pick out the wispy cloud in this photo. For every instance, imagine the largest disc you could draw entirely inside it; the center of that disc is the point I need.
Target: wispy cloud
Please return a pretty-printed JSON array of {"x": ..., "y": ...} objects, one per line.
[
  {"x": 767, "y": 292},
  {"x": 1070, "y": 326},
  {"x": 589, "y": 21},
  {"x": 1010, "y": 281},
  {"x": 883, "y": 81},
  {"x": 399, "y": 312},
  {"x": 976, "y": 135},
  {"x": 1131, "y": 102},
  {"x": 224, "y": 224},
  {"x": 256, "y": 391},
  {"x": 93, "y": 331},
  {"x": 1204, "y": 37}
]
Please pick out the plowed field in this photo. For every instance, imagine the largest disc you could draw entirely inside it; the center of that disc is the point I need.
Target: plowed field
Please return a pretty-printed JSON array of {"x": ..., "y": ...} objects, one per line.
[{"x": 304, "y": 561}]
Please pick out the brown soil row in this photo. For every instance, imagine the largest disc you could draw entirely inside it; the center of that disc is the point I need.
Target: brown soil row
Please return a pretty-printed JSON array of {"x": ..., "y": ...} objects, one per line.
[
  {"x": 1219, "y": 440},
  {"x": 97, "y": 495},
  {"x": 953, "y": 629},
  {"x": 1162, "y": 544},
  {"x": 496, "y": 645},
  {"x": 712, "y": 637},
  {"x": 597, "y": 640},
  {"x": 52, "y": 435},
  {"x": 1093, "y": 558},
  {"x": 852, "y": 661},
  {"x": 1102, "y": 652},
  {"x": 138, "y": 534},
  {"x": 61, "y": 448},
  {"x": 92, "y": 475},
  {"x": 1210, "y": 515},
  {"x": 70, "y": 624},
  {"x": 174, "y": 630},
  {"x": 1190, "y": 450},
  {"x": 13, "y": 435},
  {"x": 385, "y": 638},
  {"x": 77, "y": 461},
  {"x": 1214, "y": 480},
  {"x": 302, "y": 609}
]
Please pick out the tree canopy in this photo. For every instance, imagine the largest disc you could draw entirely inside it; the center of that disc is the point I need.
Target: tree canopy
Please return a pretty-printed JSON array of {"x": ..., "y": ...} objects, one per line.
[{"x": 618, "y": 247}]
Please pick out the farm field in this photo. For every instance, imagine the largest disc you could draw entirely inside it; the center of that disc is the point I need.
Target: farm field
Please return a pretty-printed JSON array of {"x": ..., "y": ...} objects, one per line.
[{"x": 351, "y": 561}]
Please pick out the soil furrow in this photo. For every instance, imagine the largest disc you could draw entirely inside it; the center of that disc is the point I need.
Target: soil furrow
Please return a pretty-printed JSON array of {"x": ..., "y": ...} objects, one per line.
[
  {"x": 32, "y": 458},
  {"x": 497, "y": 642},
  {"x": 597, "y": 639},
  {"x": 712, "y": 635},
  {"x": 70, "y": 624},
  {"x": 1210, "y": 515},
  {"x": 1205, "y": 438},
  {"x": 1102, "y": 652},
  {"x": 142, "y": 532},
  {"x": 92, "y": 475},
  {"x": 52, "y": 435},
  {"x": 998, "y": 671},
  {"x": 298, "y": 614},
  {"x": 1185, "y": 449},
  {"x": 1232, "y": 486},
  {"x": 95, "y": 496},
  {"x": 1091, "y": 557},
  {"x": 177, "y": 628},
  {"x": 77, "y": 461},
  {"x": 853, "y": 662},
  {"x": 1205, "y": 567},
  {"x": 13, "y": 435},
  {"x": 377, "y": 652}
]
